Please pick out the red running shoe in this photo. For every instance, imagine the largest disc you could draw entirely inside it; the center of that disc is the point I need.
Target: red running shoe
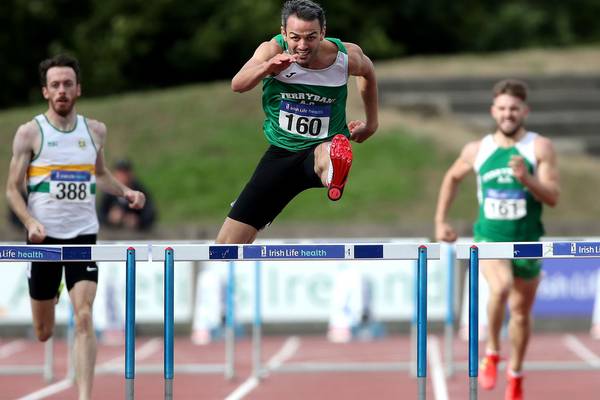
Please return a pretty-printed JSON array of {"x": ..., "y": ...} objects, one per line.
[
  {"x": 488, "y": 371},
  {"x": 514, "y": 388},
  {"x": 340, "y": 153}
]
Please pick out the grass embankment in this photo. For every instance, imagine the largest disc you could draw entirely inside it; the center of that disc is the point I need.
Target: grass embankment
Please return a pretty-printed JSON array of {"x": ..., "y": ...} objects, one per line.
[{"x": 195, "y": 147}]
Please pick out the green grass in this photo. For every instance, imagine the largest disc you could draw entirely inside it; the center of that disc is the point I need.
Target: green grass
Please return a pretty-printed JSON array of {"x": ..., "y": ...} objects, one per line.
[{"x": 195, "y": 147}]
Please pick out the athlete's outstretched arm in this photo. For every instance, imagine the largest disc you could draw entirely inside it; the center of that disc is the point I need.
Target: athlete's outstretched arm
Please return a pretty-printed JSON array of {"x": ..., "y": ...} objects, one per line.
[
  {"x": 453, "y": 177},
  {"x": 104, "y": 178},
  {"x": 268, "y": 59},
  {"x": 27, "y": 140},
  {"x": 360, "y": 65},
  {"x": 544, "y": 185}
]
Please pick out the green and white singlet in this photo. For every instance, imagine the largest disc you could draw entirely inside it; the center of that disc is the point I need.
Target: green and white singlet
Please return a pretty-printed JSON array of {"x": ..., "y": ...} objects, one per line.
[
  {"x": 61, "y": 181},
  {"x": 303, "y": 106},
  {"x": 507, "y": 210}
]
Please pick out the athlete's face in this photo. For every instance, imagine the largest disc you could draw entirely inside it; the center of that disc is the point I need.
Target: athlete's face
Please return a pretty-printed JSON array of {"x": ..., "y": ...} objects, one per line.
[
  {"x": 61, "y": 90},
  {"x": 509, "y": 112},
  {"x": 303, "y": 38}
]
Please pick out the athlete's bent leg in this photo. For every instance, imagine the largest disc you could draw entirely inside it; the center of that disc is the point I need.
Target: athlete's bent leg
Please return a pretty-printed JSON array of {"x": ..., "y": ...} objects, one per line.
[
  {"x": 236, "y": 232},
  {"x": 82, "y": 297},
  {"x": 42, "y": 312},
  {"x": 332, "y": 164}
]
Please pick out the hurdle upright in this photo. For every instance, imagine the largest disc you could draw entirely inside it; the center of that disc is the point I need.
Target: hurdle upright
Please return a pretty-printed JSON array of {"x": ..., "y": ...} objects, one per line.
[{"x": 508, "y": 251}]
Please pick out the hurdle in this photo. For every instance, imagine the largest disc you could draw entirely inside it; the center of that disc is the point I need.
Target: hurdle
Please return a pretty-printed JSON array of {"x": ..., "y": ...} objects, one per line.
[
  {"x": 168, "y": 254},
  {"x": 508, "y": 251},
  {"x": 321, "y": 252}
]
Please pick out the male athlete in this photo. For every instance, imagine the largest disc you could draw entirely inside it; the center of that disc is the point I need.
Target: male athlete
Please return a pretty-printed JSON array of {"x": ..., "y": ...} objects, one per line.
[
  {"x": 304, "y": 77},
  {"x": 58, "y": 158},
  {"x": 516, "y": 173}
]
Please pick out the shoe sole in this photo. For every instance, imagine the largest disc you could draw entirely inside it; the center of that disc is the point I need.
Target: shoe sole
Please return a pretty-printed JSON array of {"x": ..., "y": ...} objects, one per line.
[{"x": 340, "y": 153}]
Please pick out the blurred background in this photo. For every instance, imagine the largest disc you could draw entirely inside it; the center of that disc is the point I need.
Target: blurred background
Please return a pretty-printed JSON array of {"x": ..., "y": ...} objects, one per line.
[{"x": 157, "y": 72}]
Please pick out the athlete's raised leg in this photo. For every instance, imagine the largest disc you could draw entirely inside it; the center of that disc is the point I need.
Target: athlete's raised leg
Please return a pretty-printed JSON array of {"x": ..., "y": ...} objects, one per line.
[{"x": 332, "y": 164}]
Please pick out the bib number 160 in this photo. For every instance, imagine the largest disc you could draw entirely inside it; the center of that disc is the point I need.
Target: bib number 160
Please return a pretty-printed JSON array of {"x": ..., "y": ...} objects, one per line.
[{"x": 303, "y": 125}]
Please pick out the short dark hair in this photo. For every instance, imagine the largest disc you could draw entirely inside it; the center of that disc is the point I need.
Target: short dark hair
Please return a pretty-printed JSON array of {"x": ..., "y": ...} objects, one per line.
[
  {"x": 306, "y": 10},
  {"x": 59, "y": 60},
  {"x": 513, "y": 87}
]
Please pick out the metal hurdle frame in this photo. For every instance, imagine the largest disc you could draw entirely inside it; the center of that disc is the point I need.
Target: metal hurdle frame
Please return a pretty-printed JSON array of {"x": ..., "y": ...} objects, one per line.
[
  {"x": 508, "y": 251},
  {"x": 290, "y": 252},
  {"x": 132, "y": 253}
]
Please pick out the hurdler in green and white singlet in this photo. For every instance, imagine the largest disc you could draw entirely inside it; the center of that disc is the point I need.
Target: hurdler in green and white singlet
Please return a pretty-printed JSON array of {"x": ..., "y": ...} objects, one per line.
[
  {"x": 304, "y": 106},
  {"x": 61, "y": 180},
  {"x": 507, "y": 210}
]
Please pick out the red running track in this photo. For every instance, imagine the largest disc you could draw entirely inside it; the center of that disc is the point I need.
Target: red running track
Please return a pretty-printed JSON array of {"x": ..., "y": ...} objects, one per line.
[{"x": 547, "y": 349}]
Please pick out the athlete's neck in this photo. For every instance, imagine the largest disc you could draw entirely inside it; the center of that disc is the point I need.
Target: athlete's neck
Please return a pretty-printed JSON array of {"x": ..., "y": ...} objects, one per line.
[
  {"x": 503, "y": 140},
  {"x": 64, "y": 123}
]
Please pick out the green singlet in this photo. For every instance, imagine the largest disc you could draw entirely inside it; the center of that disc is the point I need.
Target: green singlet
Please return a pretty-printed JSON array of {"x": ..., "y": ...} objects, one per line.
[
  {"x": 508, "y": 212},
  {"x": 304, "y": 107}
]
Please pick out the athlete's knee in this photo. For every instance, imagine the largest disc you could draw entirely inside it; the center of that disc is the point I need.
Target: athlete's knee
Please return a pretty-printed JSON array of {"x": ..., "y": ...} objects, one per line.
[
  {"x": 83, "y": 320},
  {"x": 500, "y": 290},
  {"x": 43, "y": 332},
  {"x": 520, "y": 317}
]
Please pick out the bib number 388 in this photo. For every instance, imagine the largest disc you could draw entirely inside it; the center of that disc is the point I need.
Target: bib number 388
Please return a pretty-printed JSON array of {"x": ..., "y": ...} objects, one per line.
[{"x": 70, "y": 186}]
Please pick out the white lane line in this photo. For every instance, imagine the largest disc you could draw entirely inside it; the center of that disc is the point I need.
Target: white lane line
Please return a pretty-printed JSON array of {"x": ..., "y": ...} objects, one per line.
[
  {"x": 289, "y": 348},
  {"x": 581, "y": 350},
  {"x": 143, "y": 352},
  {"x": 12, "y": 347},
  {"x": 438, "y": 378}
]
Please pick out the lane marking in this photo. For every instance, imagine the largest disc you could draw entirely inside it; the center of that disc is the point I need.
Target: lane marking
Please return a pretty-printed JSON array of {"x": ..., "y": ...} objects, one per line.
[
  {"x": 581, "y": 350},
  {"x": 12, "y": 347},
  {"x": 289, "y": 348},
  {"x": 145, "y": 351},
  {"x": 438, "y": 377}
]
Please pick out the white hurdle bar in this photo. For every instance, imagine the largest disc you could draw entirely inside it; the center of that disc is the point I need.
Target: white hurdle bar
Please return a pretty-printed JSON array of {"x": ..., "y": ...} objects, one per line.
[{"x": 509, "y": 251}]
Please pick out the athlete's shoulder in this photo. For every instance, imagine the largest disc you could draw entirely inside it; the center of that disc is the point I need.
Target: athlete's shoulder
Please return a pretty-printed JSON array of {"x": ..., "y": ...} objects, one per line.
[
  {"x": 95, "y": 126},
  {"x": 359, "y": 63},
  {"x": 269, "y": 49},
  {"x": 29, "y": 128},
  {"x": 97, "y": 130},
  {"x": 470, "y": 150},
  {"x": 543, "y": 146}
]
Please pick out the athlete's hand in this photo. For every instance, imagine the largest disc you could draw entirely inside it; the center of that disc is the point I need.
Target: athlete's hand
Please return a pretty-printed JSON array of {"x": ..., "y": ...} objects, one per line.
[
  {"x": 359, "y": 132},
  {"x": 36, "y": 232},
  {"x": 135, "y": 198},
  {"x": 520, "y": 172},
  {"x": 280, "y": 62},
  {"x": 444, "y": 232}
]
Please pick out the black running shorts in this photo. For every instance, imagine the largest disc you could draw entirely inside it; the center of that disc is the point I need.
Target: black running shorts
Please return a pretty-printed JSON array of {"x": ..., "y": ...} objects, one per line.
[
  {"x": 279, "y": 176},
  {"x": 44, "y": 277}
]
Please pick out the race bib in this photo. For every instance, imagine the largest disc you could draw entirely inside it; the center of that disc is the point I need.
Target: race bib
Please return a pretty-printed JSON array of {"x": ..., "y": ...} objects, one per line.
[
  {"x": 71, "y": 186},
  {"x": 505, "y": 204},
  {"x": 308, "y": 120}
]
